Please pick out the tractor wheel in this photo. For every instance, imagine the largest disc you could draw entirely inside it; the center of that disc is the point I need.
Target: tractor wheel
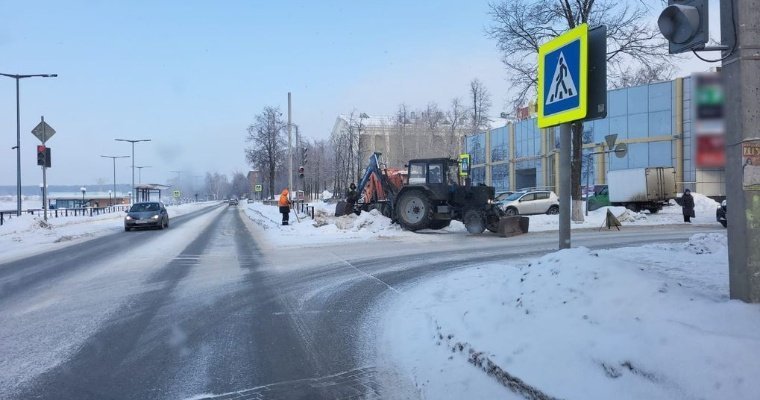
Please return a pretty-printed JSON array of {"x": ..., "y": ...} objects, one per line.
[
  {"x": 414, "y": 210},
  {"x": 492, "y": 220},
  {"x": 474, "y": 222},
  {"x": 439, "y": 223}
]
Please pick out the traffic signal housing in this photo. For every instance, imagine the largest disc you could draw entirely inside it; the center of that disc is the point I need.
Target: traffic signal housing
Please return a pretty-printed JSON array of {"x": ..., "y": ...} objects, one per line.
[
  {"x": 685, "y": 24},
  {"x": 41, "y": 155},
  {"x": 300, "y": 171}
]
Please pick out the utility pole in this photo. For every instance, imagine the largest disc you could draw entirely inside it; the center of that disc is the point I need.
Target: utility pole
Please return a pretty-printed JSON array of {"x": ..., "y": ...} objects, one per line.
[
  {"x": 290, "y": 147},
  {"x": 133, "y": 194},
  {"x": 740, "y": 30}
]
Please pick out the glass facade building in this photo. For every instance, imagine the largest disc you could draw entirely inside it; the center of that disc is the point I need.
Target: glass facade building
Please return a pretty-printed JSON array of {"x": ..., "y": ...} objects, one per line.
[{"x": 654, "y": 121}]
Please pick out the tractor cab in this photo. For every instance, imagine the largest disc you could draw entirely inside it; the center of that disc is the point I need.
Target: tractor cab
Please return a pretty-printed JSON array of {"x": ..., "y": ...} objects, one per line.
[{"x": 439, "y": 175}]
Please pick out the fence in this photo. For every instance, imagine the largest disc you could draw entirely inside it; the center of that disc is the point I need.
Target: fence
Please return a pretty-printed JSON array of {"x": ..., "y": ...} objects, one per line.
[
  {"x": 297, "y": 205},
  {"x": 64, "y": 212}
]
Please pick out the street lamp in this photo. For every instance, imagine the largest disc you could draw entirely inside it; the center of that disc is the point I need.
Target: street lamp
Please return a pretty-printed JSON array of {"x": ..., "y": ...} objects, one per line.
[
  {"x": 18, "y": 133},
  {"x": 114, "y": 172},
  {"x": 139, "y": 172},
  {"x": 133, "y": 141},
  {"x": 110, "y": 200},
  {"x": 83, "y": 189}
]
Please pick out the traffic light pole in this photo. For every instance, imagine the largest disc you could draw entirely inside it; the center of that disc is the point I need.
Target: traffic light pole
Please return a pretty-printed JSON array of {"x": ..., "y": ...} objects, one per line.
[{"x": 741, "y": 73}]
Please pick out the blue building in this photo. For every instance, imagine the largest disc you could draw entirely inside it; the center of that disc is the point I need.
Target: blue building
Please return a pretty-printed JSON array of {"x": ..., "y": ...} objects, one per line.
[{"x": 655, "y": 121}]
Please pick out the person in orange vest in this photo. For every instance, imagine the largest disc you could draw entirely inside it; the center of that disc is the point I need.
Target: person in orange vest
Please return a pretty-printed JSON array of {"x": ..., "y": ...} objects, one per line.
[{"x": 284, "y": 204}]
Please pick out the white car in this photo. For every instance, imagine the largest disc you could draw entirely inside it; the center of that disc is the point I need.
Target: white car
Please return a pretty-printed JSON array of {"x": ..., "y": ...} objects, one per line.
[{"x": 531, "y": 202}]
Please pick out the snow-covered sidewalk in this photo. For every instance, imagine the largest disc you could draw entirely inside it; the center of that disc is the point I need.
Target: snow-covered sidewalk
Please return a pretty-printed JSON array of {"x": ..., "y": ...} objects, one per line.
[
  {"x": 29, "y": 234},
  {"x": 651, "y": 322},
  {"x": 325, "y": 228}
]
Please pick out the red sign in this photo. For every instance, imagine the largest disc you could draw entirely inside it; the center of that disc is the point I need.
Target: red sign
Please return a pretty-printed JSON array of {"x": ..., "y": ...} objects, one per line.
[{"x": 711, "y": 151}]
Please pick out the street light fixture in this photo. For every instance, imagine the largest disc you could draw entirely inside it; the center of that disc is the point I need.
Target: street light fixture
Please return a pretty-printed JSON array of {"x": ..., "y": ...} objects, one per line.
[
  {"x": 114, "y": 173},
  {"x": 83, "y": 189},
  {"x": 133, "y": 141},
  {"x": 139, "y": 172},
  {"x": 18, "y": 133}
]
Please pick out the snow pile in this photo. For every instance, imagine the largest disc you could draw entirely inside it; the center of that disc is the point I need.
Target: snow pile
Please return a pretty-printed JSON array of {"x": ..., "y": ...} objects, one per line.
[
  {"x": 702, "y": 204},
  {"x": 327, "y": 195},
  {"x": 650, "y": 322}
]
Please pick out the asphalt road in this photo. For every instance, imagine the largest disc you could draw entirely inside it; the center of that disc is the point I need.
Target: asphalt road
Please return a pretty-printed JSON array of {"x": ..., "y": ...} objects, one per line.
[{"x": 205, "y": 310}]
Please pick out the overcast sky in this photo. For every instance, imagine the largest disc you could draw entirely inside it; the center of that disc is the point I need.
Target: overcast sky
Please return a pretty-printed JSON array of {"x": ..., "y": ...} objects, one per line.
[{"x": 191, "y": 75}]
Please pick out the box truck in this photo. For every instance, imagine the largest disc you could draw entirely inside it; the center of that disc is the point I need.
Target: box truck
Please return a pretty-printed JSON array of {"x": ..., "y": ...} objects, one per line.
[{"x": 637, "y": 189}]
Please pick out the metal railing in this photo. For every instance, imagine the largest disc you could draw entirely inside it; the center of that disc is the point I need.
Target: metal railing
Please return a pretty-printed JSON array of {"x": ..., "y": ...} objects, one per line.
[{"x": 64, "y": 212}]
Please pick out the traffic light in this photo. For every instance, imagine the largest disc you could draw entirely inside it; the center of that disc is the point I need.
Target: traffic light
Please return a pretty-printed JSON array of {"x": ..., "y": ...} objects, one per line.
[
  {"x": 304, "y": 155},
  {"x": 685, "y": 24},
  {"x": 41, "y": 155},
  {"x": 300, "y": 171},
  {"x": 47, "y": 157}
]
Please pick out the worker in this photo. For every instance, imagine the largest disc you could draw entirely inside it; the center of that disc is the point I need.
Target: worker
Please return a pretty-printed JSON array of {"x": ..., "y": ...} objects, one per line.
[
  {"x": 284, "y": 204},
  {"x": 351, "y": 195}
]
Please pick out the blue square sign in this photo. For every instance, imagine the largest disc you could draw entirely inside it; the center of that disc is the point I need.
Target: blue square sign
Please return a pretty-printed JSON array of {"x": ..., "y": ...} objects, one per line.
[{"x": 562, "y": 78}]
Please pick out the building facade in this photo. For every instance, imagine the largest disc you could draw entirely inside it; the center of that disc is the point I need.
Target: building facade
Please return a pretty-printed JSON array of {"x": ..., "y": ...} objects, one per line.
[{"x": 655, "y": 121}]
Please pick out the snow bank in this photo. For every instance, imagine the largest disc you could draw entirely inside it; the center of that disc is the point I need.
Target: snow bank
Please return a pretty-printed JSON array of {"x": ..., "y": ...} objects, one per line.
[
  {"x": 650, "y": 322},
  {"x": 24, "y": 235}
]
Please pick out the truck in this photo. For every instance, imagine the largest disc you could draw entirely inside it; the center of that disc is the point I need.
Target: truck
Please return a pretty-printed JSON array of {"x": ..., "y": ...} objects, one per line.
[
  {"x": 636, "y": 189},
  {"x": 431, "y": 194}
]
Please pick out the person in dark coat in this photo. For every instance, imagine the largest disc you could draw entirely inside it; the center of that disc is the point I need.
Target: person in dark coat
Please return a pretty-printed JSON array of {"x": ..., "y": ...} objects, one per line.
[
  {"x": 687, "y": 204},
  {"x": 352, "y": 196}
]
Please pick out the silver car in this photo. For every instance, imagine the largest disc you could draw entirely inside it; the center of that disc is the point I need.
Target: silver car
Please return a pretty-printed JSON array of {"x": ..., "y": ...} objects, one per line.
[
  {"x": 149, "y": 214},
  {"x": 531, "y": 202}
]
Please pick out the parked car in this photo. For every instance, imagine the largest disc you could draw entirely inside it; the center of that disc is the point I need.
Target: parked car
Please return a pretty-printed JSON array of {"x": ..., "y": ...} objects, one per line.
[
  {"x": 149, "y": 214},
  {"x": 720, "y": 214},
  {"x": 531, "y": 202},
  {"x": 501, "y": 198}
]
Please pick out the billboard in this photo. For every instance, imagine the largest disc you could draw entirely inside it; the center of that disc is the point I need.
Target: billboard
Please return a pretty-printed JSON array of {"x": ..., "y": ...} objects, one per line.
[{"x": 709, "y": 127}]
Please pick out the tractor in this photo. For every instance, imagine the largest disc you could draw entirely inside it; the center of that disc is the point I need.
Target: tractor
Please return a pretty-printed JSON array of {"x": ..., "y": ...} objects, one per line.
[
  {"x": 434, "y": 196},
  {"x": 428, "y": 195}
]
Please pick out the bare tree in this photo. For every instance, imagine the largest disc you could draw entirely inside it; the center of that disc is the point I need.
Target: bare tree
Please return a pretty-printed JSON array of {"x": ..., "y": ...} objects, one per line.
[
  {"x": 268, "y": 148},
  {"x": 481, "y": 105},
  {"x": 216, "y": 185},
  {"x": 456, "y": 116},
  {"x": 521, "y": 26},
  {"x": 240, "y": 185}
]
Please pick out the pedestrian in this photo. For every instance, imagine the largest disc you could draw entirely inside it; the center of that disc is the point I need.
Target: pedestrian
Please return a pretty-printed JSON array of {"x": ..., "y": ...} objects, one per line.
[
  {"x": 352, "y": 196},
  {"x": 687, "y": 204},
  {"x": 284, "y": 204}
]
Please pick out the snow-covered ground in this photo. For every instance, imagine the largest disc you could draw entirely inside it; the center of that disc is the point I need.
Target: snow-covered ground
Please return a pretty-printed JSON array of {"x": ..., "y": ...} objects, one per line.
[
  {"x": 651, "y": 322},
  {"x": 29, "y": 234},
  {"x": 326, "y": 228}
]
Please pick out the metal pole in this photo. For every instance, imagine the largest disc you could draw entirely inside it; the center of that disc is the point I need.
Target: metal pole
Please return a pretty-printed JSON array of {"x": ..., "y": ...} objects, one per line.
[
  {"x": 18, "y": 152},
  {"x": 133, "y": 193},
  {"x": 588, "y": 175},
  {"x": 290, "y": 148},
  {"x": 741, "y": 74},
  {"x": 114, "y": 179},
  {"x": 564, "y": 186},
  {"x": 44, "y": 175}
]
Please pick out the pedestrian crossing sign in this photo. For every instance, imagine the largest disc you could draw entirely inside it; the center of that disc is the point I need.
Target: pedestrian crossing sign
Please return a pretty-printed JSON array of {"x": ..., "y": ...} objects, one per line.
[{"x": 563, "y": 78}]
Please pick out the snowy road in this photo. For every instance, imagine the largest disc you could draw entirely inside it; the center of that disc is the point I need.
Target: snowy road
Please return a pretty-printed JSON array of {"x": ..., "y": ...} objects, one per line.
[{"x": 204, "y": 311}]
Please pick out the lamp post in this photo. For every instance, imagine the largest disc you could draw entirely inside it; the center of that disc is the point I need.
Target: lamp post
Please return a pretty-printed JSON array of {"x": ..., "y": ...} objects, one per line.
[
  {"x": 139, "y": 172},
  {"x": 83, "y": 189},
  {"x": 133, "y": 141},
  {"x": 42, "y": 194},
  {"x": 18, "y": 133},
  {"x": 114, "y": 173},
  {"x": 110, "y": 199}
]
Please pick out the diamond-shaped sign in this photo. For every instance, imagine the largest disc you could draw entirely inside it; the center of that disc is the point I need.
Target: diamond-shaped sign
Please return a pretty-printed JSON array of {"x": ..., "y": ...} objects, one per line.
[{"x": 43, "y": 131}]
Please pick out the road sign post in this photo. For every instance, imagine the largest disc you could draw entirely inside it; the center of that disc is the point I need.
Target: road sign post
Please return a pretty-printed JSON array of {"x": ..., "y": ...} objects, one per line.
[
  {"x": 44, "y": 132},
  {"x": 564, "y": 65}
]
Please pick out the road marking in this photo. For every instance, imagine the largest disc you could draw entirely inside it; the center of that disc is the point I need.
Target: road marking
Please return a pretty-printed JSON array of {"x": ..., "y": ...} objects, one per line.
[{"x": 366, "y": 274}]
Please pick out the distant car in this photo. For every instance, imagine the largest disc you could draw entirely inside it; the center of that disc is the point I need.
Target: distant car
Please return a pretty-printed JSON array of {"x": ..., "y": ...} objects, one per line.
[
  {"x": 149, "y": 214},
  {"x": 233, "y": 202},
  {"x": 720, "y": 214},
  {"x": 531, "y": 202}
]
